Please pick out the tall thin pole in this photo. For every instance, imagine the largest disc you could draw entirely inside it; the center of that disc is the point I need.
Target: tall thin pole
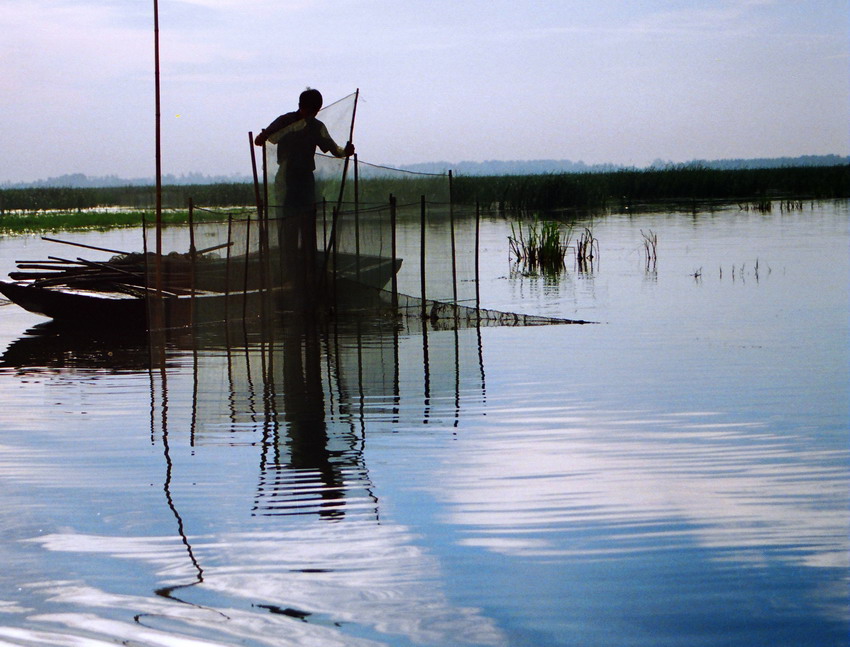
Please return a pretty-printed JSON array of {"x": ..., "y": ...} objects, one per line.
[
  {"x": 477, "y": 252},
  {"x": 158, "y": 119},
  {"x": 422, "y": 252},
  {"x": 332, "y": 241},
  {"x": 356, "y": 217},
  {"x": 454, "y": 250},
  {"x": 394, "y": 252}
]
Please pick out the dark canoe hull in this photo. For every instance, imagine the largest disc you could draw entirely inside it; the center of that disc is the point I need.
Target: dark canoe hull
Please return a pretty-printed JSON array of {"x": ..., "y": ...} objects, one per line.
[
  {"x": 77, "y": 306},
  {"x": 102, "y": 310}
]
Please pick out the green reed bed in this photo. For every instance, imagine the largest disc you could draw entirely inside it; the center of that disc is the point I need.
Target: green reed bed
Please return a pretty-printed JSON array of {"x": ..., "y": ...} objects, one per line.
[
  {"x": 93, "y": 219},
  {"x": 131, "y": 197},
  {"x": 626, "y": 189},
  {"x": 539, "y": 247}
]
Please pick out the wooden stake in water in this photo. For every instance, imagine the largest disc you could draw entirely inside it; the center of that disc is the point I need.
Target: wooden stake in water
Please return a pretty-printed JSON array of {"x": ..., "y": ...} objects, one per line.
[
  {"x": 394, "y": 252},
  {"x": 422, "y": 252},
  {"x": 454, "y": 251},
  {"x": 158, "y": 146},
  {"x": 156, "y": 315}
]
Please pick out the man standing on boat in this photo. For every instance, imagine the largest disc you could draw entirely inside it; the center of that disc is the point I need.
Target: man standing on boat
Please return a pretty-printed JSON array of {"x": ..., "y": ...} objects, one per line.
[{"x": 297, "y": 135}]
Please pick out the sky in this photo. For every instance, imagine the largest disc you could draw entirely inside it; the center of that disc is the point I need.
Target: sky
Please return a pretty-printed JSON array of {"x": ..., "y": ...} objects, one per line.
[{"x": 598, "y": 81}]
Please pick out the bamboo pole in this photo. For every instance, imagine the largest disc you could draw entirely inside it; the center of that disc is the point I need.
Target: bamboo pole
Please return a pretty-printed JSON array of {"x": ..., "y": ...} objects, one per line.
[
  {"x": 422, "y": 252},
  {"x": 99, "y": 249},
  {"x": 156, "y": 314},
  {"x": 158, "y": 136},
  {"x": 394, "y": 252},
  {"x": 477, "y": 251},
  {"x": 454, "y": 250},
  {"x": 332, "y": 241},
  {"x": 262, "y": 217},
  {"x": 357, "y": 218},
  {"x": 192, "y": 251}
]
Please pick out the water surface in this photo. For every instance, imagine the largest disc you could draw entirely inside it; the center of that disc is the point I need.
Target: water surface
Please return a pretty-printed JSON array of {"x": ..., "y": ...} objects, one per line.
[{"x": 674, "y": 475}]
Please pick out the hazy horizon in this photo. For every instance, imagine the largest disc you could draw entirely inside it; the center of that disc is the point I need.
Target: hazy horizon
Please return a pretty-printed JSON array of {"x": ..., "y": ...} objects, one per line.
[{"x": 602, "y": 83}]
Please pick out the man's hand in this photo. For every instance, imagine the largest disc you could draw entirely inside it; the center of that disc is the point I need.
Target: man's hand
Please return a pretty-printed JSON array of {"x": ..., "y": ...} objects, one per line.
[{"x": 349, "y": 149}]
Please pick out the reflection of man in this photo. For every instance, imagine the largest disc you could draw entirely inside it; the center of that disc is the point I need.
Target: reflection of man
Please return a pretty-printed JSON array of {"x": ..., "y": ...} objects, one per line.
[{"x": 297, "y": 135}]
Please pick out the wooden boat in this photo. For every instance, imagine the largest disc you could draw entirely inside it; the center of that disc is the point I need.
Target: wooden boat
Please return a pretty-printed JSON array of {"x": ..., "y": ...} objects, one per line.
[{"x": 126, "y": 303}]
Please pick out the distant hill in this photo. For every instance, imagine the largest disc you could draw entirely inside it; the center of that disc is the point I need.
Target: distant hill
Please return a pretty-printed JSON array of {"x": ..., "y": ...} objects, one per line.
[{"x": 491, "y": 167}]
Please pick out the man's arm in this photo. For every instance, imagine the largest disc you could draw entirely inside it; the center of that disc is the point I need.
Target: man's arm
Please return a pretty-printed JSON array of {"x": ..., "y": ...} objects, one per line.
[
  {"x": 278, "y": 124},
  {"x": 328, "y": 145}
]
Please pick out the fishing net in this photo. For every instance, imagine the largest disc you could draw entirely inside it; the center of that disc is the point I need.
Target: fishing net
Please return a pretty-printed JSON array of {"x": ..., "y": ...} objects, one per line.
[{"x": 367, "y": 238}]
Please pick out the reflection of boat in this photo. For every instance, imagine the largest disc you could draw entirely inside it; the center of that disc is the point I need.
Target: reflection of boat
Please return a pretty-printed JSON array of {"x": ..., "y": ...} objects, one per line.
[{"x": 50, "y": 346}]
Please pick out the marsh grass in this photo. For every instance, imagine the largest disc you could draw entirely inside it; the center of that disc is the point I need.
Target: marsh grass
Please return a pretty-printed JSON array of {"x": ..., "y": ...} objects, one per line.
[
  {"x": 628, "y": 189},
  {"x": 540, "y": 246},
  {"x": 650, "y": 249},
  {"x": 587, "y": 250},
  {"x": 23, "y": 222}
]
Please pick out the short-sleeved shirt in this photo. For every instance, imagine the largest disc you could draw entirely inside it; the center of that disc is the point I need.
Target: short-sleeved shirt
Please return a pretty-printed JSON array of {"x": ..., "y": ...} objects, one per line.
[{"x": 297, "y": 138}]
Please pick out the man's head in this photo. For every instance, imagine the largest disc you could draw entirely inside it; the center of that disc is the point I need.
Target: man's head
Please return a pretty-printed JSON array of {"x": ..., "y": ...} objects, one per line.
[{"x": 310, "y": 102}]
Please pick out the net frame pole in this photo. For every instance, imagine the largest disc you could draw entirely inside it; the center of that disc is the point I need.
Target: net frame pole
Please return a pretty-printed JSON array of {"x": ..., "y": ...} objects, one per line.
[
  {"x": 193, "y": 252},
  {"x": 332, "y": 242},
  {"x": 157, "y": 320},
  {"x": 356, "y": 218},
  {"x": 227, "y": 265},
  {"x": 324, "y": 222},
  {"x": 452, "y": 234},
  {"x": 246, "y": 266},
  {"x": 257, "y": 198},
  {"x": 394, "y": 252},
  {"x": 477, "y": 253}
]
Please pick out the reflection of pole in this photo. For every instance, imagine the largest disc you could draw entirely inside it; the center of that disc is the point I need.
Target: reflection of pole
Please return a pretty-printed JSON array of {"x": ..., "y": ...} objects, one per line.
[
  {"x": 457, "y": 376},
  {"x": 157, "y": 346},
  {"x": 396, "y": 378},
  {"x": 426, "y": 368}
]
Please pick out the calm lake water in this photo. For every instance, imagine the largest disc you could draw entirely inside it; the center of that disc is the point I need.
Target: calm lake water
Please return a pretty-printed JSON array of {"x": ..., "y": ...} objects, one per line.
[{"x": 676, "y": 474}]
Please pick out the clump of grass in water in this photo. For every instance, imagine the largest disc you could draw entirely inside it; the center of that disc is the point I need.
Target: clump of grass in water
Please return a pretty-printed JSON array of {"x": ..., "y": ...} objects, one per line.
[
  {"x": 587, "y": 249},
  {"x": 541, "y": 248},
  {"x": 650, "y": 247},
  {"x": 762, "y": 205}
]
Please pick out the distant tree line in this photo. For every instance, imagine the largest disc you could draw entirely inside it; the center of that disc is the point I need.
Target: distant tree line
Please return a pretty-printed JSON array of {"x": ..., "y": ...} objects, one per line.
[
  {"x": 233, "y": 194},
  {"x": 612, "y": 189},
  {"x": 624, "y": 188}
]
